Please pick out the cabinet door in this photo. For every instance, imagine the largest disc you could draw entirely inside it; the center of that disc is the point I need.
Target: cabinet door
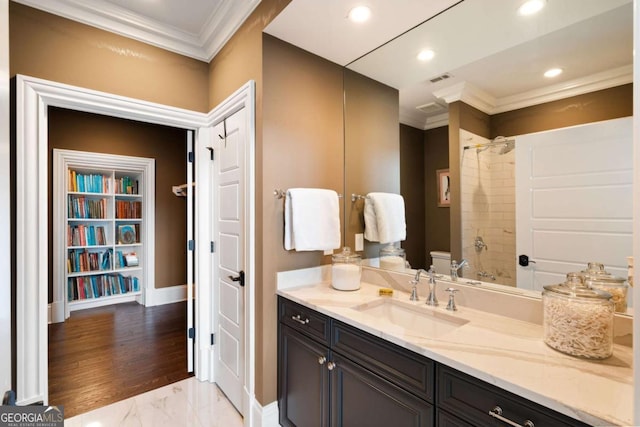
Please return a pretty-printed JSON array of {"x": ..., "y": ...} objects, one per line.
[
  {"x": 361, "y": 398},
  {"x": 303, "y": 383}
]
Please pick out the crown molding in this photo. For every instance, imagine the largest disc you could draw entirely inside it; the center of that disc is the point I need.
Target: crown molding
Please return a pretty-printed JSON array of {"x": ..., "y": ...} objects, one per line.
[
  {"x": 203, "y": 46},
  {"x": 486, "y": 103}
]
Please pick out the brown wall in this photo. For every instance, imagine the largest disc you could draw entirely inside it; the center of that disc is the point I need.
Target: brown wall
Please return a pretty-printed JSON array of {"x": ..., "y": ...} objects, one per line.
[
  {"x": 422, "y": 153},
  {"x": 437, "y": 223},
  {"x": 372, "y": 147},
  {"x": 596, "y": 106},
  {"x": 302, "y": 147},
  {"x": 58, "y": 49},
  {"x": 240, "y": 60},
  {"x": 73, "y": 130},
  {"x": 412, "y": 188}
]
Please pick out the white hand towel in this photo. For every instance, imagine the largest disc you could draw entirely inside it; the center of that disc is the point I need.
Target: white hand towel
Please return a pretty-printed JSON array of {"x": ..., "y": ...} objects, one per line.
[
  {"x": 384, "y": 219},
  {"x": 311, "y": 220}
]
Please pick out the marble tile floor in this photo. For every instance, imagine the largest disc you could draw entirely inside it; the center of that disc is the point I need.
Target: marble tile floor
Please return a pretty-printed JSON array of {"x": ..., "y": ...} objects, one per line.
[{"x": 185, "y": 403}]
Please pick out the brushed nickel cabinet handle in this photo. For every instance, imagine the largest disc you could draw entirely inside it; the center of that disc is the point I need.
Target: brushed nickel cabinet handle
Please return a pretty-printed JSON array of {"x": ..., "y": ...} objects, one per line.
[
  {"x": 322, "y": 360},
  {"x": 331, "y": 366},
  {"x": 298, "y": 319},
  {"x": 497, "y": 413}
]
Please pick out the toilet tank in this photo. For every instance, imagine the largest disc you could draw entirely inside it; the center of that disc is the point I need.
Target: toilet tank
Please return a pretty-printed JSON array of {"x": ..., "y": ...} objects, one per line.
[{"x": 441, "y": 261}]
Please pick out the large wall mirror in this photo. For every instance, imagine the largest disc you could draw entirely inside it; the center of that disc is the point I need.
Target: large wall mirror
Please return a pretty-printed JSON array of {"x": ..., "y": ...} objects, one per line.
[{"x": 481, "y": 78}]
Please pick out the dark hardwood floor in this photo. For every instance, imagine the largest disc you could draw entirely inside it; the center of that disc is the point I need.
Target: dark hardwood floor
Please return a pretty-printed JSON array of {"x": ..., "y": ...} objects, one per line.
[{"x": 103, "y": 355}]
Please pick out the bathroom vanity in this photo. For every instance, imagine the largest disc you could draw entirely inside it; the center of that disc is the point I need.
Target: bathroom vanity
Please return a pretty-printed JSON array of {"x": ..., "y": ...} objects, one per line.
[{"x": 357, "y": 358}]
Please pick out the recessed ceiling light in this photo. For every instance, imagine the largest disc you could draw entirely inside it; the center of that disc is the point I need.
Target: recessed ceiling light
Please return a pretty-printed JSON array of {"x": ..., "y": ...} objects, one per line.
[
  {"x": 359, "y": 14},
  {"x": 531, "y": 7},
  {"x": 426, "y": 55},
  {"x": 553, "y": 72}
]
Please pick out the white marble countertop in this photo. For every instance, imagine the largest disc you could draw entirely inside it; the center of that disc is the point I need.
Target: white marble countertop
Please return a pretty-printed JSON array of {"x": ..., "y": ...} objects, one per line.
[{"x": 499, "y": 350}]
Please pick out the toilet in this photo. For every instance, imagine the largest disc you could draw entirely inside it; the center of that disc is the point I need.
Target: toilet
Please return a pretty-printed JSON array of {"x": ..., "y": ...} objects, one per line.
[{"x": 441, "y": 261}]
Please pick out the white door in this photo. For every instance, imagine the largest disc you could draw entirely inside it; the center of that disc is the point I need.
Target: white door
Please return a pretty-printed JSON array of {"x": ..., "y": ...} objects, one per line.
[
  {"x": 574, "y": 200},
  {"x": 229, "y": 254}
]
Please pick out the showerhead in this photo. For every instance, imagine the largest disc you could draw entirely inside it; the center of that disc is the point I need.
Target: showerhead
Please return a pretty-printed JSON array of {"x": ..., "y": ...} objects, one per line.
[{"x": 507, "y": 147}]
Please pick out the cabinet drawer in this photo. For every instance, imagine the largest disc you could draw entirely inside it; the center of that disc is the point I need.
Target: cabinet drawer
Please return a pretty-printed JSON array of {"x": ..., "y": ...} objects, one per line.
[
  {"x": 471, "y": 400},
  {"x": 404, "y": 368},
  {"x": 305, "y": 320},
  {"x": 447, "y": 420}
]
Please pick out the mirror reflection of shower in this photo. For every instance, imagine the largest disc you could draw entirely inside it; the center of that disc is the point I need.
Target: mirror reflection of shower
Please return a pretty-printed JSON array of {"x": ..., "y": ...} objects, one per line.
[{"x": 488, "y": 207}]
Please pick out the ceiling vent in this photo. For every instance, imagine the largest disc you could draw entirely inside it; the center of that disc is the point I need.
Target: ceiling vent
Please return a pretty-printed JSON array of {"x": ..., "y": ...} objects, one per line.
[
  {"x": 444, "y": 76},
  {"x": 432, "y": 108}
]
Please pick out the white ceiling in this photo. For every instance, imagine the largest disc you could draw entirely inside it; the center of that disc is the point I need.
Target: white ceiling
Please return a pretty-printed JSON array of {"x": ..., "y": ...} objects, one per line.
[
  {"x": 194, "y": 28},
  {"x": 495, "y": 57}
]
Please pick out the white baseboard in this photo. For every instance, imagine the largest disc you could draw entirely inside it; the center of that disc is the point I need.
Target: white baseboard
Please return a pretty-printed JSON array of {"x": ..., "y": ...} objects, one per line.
[
  {"x": 264, "y": 416},
  {"x": 160, "y": 296}
]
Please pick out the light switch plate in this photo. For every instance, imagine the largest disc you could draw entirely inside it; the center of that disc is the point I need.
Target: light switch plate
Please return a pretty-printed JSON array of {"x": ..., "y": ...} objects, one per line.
[{"x": 359, "y": 242}]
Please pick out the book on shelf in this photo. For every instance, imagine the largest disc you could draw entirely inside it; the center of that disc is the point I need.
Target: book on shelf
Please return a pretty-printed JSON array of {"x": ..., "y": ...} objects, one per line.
[
  {"x": 127, "y": 234},
  {"x": 88, "y": 183},
  {"x": 81, "y": 260},
  {"x": 80, "y": 207},
  {"x": 104, "y": 285},
  {"x": 129, "y": 259},
  {"x": 127, "y": 209},
  {"x": 86, "y": 235},
  {"x": 126, "y": 185}
]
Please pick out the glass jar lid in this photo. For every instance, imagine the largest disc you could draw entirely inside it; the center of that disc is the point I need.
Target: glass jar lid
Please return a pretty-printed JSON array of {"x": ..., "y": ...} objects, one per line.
[
  {"x": 606, "y": 281},
  {"x": 391, "y": 250},
  {"x": 594, "y": 270},
  {"x": 574, "y": 287},
  {"x": 346, "y": 256}
]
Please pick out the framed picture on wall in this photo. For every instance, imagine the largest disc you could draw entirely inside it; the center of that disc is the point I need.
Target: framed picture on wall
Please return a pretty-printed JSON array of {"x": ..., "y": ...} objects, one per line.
[{"x": 444, "y": 188}]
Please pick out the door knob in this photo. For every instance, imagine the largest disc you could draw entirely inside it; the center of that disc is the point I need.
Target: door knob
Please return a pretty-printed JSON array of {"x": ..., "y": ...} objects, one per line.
[
  {"x": 524, "y": 260},
  {"x": 239, "y": 278}
]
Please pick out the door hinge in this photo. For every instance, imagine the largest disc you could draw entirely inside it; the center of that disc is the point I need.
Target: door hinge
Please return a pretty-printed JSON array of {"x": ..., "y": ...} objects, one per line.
[
  {"x": 213, "y": 247},
  {"x": 191, "y": 245},
  {"x": 190, "y": 156},
  {"x": 213, "y": 339},
  {"x": 211, "y": 152},
  {"x": 192, "y": 333}
]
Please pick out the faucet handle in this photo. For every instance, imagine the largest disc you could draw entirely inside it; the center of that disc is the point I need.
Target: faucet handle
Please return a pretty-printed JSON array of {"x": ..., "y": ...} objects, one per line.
[
  {"x": 451, "y": 306},
  {"x": 414, "y": 290}
]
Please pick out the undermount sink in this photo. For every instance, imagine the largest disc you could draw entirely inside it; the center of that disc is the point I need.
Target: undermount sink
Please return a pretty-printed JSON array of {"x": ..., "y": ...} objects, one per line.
[{"x": 421, "y": 320}]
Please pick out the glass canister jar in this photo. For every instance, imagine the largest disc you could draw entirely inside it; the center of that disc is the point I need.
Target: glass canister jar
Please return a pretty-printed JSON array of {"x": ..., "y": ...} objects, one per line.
[
  {"x": 393, "y": 258},
  {"x": 616, "y": 286},
  {"x": 596, "y": 277},
  {"x": 346, "y": 270},
  {"x": 578, "y": 320}
]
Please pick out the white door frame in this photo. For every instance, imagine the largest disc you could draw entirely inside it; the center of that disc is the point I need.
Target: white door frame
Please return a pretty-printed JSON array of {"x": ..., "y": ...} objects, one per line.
[{"x": 33, "y": 97}]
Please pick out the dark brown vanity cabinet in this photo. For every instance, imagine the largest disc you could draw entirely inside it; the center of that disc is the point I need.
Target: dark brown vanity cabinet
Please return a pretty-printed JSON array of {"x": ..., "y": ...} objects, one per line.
[
  {"x": 318, "y": 385},
  {"x": 332, "y": 374},
  {"x": 465, "y": 401}
]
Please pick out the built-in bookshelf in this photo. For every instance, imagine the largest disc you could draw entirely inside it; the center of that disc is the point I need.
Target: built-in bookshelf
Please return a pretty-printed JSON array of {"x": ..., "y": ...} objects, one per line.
[{"x": 102, "y": 219}]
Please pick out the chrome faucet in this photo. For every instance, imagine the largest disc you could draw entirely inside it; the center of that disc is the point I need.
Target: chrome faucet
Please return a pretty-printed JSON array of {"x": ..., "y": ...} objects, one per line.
[
  {"x": 455, "y": 267},
  {"x": 414, "y": 282},
  {"x": 431, "y": 299},
  {"x": 451, "y": 306}
]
